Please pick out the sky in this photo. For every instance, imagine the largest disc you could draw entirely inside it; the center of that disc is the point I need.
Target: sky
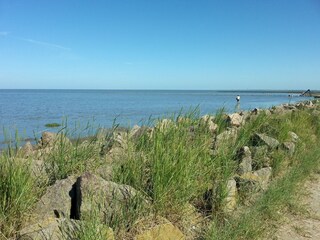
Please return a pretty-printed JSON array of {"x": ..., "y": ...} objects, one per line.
[{"x": 164, "y": 44}]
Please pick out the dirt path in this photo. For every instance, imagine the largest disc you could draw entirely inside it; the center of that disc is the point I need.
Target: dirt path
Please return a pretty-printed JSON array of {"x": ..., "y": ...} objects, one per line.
[{"x": 305, "y": 225}]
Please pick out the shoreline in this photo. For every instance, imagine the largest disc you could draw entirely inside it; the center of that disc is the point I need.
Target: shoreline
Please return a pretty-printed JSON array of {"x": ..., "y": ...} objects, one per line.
[{"x": 121, "y": 128}]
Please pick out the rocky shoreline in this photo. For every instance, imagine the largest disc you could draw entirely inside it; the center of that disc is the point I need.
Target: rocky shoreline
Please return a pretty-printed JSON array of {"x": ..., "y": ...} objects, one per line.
[{"x": 67, "y": 201}]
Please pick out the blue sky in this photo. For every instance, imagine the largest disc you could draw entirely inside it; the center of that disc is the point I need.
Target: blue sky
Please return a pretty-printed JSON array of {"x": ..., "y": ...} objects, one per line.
[{"x": 167, "y": 44}]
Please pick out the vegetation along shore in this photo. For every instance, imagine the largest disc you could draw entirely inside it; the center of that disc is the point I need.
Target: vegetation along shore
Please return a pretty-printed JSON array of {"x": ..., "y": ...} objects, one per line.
[{"x": 227, "y": 176}]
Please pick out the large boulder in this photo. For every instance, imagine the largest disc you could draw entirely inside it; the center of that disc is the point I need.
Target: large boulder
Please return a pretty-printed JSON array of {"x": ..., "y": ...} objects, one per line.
[
  {"x": 165, "y": 231},
  {"x": 245, "y": 160},
  {"x": 106, "y": 198},
  {"x": 57, "y": 201},
  {"x": 259, "y": 139}
]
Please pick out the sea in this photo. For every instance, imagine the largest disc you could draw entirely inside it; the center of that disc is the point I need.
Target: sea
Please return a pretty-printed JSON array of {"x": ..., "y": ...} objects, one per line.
[{"x": 25, "y": 113}]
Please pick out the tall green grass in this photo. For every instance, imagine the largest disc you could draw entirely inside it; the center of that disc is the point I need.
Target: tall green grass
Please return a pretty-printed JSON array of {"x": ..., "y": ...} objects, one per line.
[
  {"x": 172, "y": 165},
  {"x": 18, "y": 193},
  {"x": 259, "y": 219}
]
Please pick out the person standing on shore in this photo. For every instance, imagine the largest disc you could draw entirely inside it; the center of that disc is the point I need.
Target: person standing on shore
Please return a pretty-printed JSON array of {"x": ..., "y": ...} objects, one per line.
[{"x": 238, "y": 98}]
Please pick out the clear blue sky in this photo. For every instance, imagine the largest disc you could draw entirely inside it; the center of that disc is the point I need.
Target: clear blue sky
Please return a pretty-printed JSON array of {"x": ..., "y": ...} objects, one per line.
[{"x": 164, "y": 44}]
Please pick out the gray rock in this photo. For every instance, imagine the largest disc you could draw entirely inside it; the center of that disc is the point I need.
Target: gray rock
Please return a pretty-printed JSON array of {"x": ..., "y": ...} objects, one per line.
[
  {"x": 207, "y": 118},
  {"x": 264, "y": 175},
  {"x": 258, "y": 178},
  {"x": 231, "y": 198},
  {"x": 293, "y": 137},
  {"x": 47, "y": 139},
  {"x": 106, "y": 198},
  {"x": 120, "y": 139},
  {"x": 212, "y": 127},
  {"x": 289, "y": 147},
  {"x": 104, "y": 171},
  {"x": 58, "y": 229},
  {"x": 245, "y": 161},
  {"x": 235, "y": 119},
  {"x": 57, "y": 200},
  {"x": 137, "y": 132},
  {"x": 262, "y": 139},
  {"x": 225, "y": 138},
  {"x": 49, "y": 228},
  {"x": 260, "y": 157},
  {"x": 27, "y": 150}
]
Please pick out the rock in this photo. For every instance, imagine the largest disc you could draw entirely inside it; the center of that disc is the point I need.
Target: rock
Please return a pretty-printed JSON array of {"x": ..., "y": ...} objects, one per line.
[
  {"x": 164, "y": 124},
  {"x": 245, "y": 161},
  {"x": 104, "y": 171},
  {"x": 260, "y": 157},
  {"x": 120, "y": 139},
  {"x": 164, "y": 231},
  {"x": 106, "y": 197},
  {"x": 49, "y": 139},
  {"x": 289, "y": 107},
  {"x": 27, "y": 149},
  {"x": 225, "y": 138},
  {"x": 37, "y": 168},
  {"x": 231, "y": 198},
  {"x": 262, "y": 139},
  {"x": 289, "y": 147},
  {"x": 57, "y": 229},
  {"x": 279, "y": 110},
  {"x": 39, "y": 171},
  {"x": 261, "y": 177},
  {"x": 235, "y": 119},
  {"x": 46, "y": 229},
  {"x": 264, "y": 175},
  {"x": 267, "y": 112},
  {"x": 293, "y": 137},
  {"x": 212, "y": 127},
  {"x": 207, "y": 118},
  {"x": 57, "y": 201},
  {"x": 137, "y": 132}
]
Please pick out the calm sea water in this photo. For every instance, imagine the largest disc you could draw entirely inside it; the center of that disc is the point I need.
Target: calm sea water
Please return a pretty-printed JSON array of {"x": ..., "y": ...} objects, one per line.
[{"x": 27, "y": 111}]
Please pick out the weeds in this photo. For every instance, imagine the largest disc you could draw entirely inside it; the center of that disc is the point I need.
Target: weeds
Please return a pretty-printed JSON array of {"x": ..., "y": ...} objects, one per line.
[{"x": 174, "y": 164}]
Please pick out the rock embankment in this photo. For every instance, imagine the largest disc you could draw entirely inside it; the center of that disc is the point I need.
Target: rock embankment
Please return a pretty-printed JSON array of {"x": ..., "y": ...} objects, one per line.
[{"x": 68, "y": 203}]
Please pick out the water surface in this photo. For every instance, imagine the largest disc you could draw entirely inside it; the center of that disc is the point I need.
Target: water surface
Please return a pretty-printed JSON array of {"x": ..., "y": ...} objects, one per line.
[{"x": 29, "y": 110}]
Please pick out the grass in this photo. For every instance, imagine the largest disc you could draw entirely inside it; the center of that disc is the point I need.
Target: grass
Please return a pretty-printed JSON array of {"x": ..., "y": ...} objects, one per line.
[
  {"x": 18, "y": 193},
  {"x": 256, "y": 221},
  {"x": 173, "y": 165},
  {"x": 52, "y": 125}
]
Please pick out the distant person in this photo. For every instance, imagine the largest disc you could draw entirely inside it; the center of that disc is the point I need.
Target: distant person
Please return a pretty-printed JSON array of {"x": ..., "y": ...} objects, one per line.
[{"x": 238, "y": 98}]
